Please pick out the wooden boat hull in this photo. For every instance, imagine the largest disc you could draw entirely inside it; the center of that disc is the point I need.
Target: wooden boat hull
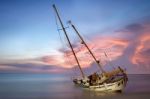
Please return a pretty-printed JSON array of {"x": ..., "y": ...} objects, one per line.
[{"x": 115, "y": 86}]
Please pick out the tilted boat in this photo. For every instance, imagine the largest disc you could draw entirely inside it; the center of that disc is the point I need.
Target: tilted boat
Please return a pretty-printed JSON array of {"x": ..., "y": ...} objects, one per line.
[{"x": 114, "y": 80}]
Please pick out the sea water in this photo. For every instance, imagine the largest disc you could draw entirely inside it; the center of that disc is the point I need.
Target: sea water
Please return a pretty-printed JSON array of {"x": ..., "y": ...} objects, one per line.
[{"x": 47, "y": 86}]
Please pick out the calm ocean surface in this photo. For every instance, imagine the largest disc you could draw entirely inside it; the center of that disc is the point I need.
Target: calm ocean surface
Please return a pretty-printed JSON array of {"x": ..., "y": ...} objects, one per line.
[{"x": 46, "y": 86}]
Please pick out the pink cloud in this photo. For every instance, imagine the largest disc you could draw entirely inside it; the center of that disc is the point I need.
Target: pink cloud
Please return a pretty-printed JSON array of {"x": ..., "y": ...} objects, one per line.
[
  {"x": 131, "y": 42},
  {"x": 98, "y": 45},
  {"x": 142, "y": 52},
  {"x": 130, "y": 46}
]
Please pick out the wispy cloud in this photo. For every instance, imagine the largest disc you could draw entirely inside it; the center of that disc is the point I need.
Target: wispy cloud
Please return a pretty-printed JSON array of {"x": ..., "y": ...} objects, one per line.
[
  {"x": 30, "y": 66},
  {"x": 136, "y": 54},
  {"x": 128, "y": 47}
]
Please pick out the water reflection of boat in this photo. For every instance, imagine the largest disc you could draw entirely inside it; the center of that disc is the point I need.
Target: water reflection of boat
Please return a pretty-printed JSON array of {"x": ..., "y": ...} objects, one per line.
[{"x": 114, "y": 80}]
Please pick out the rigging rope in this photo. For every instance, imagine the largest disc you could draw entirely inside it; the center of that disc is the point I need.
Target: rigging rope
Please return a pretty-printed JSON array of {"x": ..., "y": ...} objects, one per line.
[
  {"x": 109, "y": 60},
  {"x": 62, "y": 41},
  {"x": 58, "y": 30}
]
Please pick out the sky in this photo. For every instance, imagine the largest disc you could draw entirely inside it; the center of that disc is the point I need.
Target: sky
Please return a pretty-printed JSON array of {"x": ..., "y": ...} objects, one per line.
[{"x": 30, "y": 41}]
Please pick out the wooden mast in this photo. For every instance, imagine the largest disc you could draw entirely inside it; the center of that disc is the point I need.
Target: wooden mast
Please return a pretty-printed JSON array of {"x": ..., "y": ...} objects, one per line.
[
  {"x": 55, "y": 9},
  {"x": 87, "y": 47}
]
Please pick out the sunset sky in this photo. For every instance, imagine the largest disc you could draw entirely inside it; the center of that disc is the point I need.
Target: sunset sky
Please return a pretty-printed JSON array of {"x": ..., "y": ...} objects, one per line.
[{"x": 30, "y": 42}]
